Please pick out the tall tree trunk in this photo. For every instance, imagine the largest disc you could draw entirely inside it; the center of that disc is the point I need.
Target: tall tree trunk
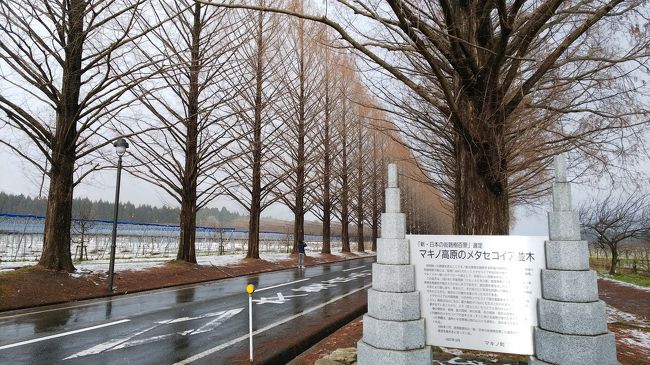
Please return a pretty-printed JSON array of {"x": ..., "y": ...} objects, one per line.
[
  {"x": 254, "y": 231},
  {"x": 56, "y": 236},
  {"x": 56, "y": 253},
  {"x": 375, "y": 193},
  {"x": 256, "y": 184},
  {"x": 345, "y": 215},
  {"x": 256, "y": 194},
  {"x": 360, "y": 182},
  {"x": 299, "y": 213},
  {"x": 186, "y": 246},
  {"x": 327, "y": 203},
  {"x": 481, "y": 204}
]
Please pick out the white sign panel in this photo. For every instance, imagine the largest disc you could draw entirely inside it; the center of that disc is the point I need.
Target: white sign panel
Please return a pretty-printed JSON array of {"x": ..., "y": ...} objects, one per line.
[{"x": 479, "y": 292}]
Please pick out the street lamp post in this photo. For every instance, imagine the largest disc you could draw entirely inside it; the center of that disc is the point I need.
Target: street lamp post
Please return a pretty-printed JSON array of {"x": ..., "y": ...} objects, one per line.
[{"x": 120, "y": 148}]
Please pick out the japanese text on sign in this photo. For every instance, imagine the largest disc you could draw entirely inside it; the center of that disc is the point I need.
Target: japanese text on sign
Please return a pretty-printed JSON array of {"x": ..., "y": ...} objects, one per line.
[{"x": 479, "y": 292}]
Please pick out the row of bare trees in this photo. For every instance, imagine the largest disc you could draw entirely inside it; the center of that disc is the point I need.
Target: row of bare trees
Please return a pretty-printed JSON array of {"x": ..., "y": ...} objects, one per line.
[
  {"x": 487, "y": 92},
  {"x": 242, "y": 104}
]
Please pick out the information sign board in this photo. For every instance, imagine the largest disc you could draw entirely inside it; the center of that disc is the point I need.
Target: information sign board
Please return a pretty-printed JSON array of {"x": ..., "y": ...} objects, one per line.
[{"x": 479, "y": 292}]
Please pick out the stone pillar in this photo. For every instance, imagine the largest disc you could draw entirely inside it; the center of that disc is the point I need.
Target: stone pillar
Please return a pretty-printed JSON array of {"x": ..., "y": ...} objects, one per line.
[
  {"x": 393, "y": 332},
  {"x": 572, "y": 320}
]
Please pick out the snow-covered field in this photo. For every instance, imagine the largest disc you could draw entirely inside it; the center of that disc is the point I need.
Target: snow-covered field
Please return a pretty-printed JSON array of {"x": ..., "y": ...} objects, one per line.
[{"x": 145, "y": 263}]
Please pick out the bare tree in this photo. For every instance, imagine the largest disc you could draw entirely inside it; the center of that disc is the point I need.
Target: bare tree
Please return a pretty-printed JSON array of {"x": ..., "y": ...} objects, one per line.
[
  {"x": 299, "y": 109},
  {"x": 616, "y": 219},
  {"x": 379, "y": 168},
  {"x": 360, "y": 183},
  {"x": 326, "y": 137},
  {"x": 82, "y": 224},
  {"x": 254, "y": 174},
  {"x": 491, "y": 74},
  {"x": 63, "y": 65},
  {"x": 187, "y": 102},
  {"x": 344, "y": 162}
]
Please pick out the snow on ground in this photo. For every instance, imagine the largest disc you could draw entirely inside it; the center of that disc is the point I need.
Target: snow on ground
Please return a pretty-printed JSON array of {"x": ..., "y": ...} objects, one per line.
[
  {"x": 615, "y": 315},
  {"x": 635, "y": 337},
  {"x": 146, "y": 263},
  {"x": 456, "y": 352},
  {"x": 458, "y": 360},
  {"x": 647, "y": 289}
]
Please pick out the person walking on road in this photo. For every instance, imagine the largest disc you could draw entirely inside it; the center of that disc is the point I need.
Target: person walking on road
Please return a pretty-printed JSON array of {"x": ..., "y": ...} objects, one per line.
[{"x": 301, "y": 254}]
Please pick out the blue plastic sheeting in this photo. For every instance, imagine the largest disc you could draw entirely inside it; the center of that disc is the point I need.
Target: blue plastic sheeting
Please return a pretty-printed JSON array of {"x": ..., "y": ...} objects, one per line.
[{"x": 33, "y": 224}]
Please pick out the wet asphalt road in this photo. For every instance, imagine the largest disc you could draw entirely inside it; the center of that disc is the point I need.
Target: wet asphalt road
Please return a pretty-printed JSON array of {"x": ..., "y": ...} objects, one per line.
[{"x": 191, "y": 324}]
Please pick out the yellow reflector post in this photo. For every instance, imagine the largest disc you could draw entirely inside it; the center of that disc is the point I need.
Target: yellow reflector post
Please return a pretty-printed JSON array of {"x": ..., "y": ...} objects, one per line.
[{"x": 250, "y": 288}]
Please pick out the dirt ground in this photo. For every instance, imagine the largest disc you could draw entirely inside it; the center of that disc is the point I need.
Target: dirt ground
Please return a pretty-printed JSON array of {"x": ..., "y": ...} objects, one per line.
[{"x": 35, "y": 286}]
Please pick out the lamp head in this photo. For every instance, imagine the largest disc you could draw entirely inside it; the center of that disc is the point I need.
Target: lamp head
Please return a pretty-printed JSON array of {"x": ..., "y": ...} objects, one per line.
[{"x": 120, "y": 146}]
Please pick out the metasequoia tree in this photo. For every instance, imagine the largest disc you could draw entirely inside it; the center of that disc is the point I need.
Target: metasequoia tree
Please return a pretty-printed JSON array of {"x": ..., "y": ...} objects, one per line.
[
  {"x": 361, "y": 151},
  {"x": 378, "y": 168},
  {"x": 344, "y": 163},
  {"x": 616, "y": 219},
  {"x": 186, "y": 101},
  {"x": 254, "y": 174},
  {"x": 326, "y": 137},
  {"x": 491, "y": 74},
  {"x": 62, "y": 75},
  {"x": 299, "y": 109}
]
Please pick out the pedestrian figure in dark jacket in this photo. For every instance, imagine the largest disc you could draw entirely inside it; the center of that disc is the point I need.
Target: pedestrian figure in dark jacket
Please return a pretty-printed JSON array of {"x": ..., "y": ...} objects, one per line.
[{"x": 301, "y": 254}]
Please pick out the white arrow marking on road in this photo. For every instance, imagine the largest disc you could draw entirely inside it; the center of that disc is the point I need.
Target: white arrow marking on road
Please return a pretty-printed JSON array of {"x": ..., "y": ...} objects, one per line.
[
  {"x": 217, "y": 321},
  {"x": 126, "y": 342},
  {"x": 222, "y": 317}
]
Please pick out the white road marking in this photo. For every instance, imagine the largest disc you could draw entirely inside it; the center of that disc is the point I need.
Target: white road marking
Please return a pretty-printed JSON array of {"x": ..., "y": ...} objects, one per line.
[
  {"x": 129, "y": 341},
  {"x": 355, "y": 268},
  {"x": 280, "y": 299},
  {"x": 109, "y": 344},
  {"x": 314, "y": 288},
  {"x": 63, "y": 334},
  {"x": 261, "y": 330},
  {"x": 117, "y": 298},
  {"x": 206, "y": 315},
  {"x": 217, "y": 321},
  {"x": 279, "y": 285}
]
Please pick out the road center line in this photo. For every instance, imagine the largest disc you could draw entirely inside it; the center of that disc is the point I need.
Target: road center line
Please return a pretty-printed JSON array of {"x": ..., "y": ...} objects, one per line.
[
  {"x": 63, "y": 334},
  {"x": 264, "y": 329},
  {"x": 279, "y": 285},
  {"x": 355, "y": 268}
]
